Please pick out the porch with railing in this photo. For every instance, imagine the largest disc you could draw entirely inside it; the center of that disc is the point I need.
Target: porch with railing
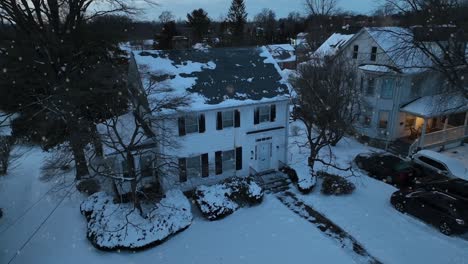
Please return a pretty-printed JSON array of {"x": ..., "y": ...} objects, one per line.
[{"x": 440, "y": 138}]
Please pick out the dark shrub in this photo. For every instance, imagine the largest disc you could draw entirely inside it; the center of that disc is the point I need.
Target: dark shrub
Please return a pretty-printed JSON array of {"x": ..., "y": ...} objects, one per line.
[
  {"x": 244, "y": 191},
  {"x": 291, "y": 173},
  {"x": 336, "y": 185},
  {"x": 88, "y": 186}
]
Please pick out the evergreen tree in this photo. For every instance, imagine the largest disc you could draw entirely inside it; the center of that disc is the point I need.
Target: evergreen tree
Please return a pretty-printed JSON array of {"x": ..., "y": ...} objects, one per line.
[
  {"x": 237, "y": 18},
  {"x": 199, "y": 21}
]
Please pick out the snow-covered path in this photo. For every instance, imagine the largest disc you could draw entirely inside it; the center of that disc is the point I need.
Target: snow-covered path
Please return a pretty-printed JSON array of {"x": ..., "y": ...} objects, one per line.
[{"x": 267, "y": 233}]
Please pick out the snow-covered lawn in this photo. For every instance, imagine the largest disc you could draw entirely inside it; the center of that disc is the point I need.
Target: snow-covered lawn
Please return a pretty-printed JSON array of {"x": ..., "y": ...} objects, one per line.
[
  {"x": 368, "y": 216},
  {"x": 266, "y": 233}
]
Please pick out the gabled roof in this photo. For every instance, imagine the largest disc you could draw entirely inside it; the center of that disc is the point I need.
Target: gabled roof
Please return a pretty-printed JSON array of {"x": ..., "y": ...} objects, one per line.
[
  {"x": 437, "y": 105},
  {"x": 397, "y": 43},
  {"x": 332, "y": 45},
  {"x": 212, "y": 78}
]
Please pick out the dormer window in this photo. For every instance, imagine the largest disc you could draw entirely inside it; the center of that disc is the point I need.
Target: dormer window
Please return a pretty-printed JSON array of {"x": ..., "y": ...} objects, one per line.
[{"x": 373, "y": 56}]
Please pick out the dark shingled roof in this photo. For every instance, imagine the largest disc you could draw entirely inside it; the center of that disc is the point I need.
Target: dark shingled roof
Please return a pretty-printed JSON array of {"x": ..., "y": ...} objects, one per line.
[{"x": 240, "y": 73}]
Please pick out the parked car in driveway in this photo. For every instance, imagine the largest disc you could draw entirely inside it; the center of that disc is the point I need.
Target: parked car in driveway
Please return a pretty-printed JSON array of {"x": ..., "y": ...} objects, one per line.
[
  {"x": 387, "y": 167},
  {"x": 439, "y": 164},
  {"x": 455, "y": 187},
  {"x": 440, "y": 209}
]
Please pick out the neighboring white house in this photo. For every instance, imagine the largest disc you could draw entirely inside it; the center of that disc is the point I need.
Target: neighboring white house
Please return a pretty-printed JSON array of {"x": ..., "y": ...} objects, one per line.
[
  {"x": 404, "y": 100},
  {"x": 237, "y": 120}
]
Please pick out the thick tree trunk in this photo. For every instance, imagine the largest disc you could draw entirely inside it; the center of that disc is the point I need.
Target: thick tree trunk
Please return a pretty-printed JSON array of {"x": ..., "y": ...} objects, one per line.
[
  {"x": 134, "y": 184},
  {"x": 77, "y": 147},
  {"x": 97, "y": 143}
]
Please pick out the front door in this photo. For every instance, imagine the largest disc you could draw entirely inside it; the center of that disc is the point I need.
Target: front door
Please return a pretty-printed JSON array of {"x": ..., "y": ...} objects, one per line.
[{"x": 263, "y": 156}]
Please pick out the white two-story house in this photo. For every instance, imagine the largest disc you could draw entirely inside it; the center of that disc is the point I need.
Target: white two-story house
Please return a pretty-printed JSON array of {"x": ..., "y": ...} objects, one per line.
[
  {"x": 404, "y": 100},
  {"x": 236, "y": 121}
]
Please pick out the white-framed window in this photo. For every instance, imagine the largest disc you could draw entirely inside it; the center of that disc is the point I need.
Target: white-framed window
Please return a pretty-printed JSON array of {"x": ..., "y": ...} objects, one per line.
[
  {"x": 194, "y": 166},
  {"x": 229, "y": 160},
  {"x": 191, "y": 124},
  {"x": 355, "y": 51},
  {"x": 370, "y": 86},
  {"x": 264, "y": 113},
  {"x": 386, "y": 91},
  {"x": 383, "y": 119},
  {"x": 228, "y": 119}
]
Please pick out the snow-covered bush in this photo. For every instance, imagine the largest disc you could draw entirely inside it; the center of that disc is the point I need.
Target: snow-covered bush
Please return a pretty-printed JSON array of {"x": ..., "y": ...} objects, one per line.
[
  {"x": 220, "y": 200},
  {"x": 336, "y": 185},
  {"x": 305, "y": 183},
  {"x": 121, "y": 226}
]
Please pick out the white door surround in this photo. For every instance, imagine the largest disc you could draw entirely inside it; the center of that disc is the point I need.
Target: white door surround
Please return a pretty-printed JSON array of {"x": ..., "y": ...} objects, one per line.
[{"x": 263, "y": 153}]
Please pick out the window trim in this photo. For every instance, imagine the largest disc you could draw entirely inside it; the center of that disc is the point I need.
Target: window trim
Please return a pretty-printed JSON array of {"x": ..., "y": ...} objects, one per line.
[
  {"x": 196, "y": 118},
  {"x": 369, "y": 81},
  {"x": 267, "y": 109},
  {"x": 384, "y": 86},
  {"x": 223, "y": 120},
  {"x": 355, "y": 51},
  {"x": 197, "y": 169}
]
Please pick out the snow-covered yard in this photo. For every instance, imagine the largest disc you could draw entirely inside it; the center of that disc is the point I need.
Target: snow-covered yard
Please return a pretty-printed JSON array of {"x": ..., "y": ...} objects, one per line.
[
  {"x": 267, "y": 233},
  {"x": 369, "y": 217}
]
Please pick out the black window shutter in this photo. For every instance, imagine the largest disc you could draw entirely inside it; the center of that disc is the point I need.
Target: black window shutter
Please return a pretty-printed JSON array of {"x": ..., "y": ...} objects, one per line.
[
  {"x": 201, "y": 123},
  {"x": 273, "y": 113},
  {"x": 181, "y": 126},
  {"x": 256, "y": 116},
  {"x": 219, "y": 162},
  {"x": 219, "y": 121},
  {"x": 236, "y": 118},
  {"x": 205, "y": 166},
  {"x": 182, "y": 170},
  {"x": 239, "y": 158}
]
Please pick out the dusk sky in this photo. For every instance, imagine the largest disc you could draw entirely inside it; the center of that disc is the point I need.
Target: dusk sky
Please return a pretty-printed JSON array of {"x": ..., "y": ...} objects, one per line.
[{"x": 216, "y": 8}]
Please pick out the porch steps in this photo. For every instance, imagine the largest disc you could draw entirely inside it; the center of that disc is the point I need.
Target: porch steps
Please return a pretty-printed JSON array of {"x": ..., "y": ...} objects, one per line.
[
  {"x": 399, "y": 148},
  {"x": 275, "y": 182}
]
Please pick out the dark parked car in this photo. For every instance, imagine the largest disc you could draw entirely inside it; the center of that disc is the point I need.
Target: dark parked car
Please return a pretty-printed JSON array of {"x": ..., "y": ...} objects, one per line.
[
  {"x": 388, "y": 167},
  {"x": 455, "y": 187},
  {"x": 442, "y": 210}
]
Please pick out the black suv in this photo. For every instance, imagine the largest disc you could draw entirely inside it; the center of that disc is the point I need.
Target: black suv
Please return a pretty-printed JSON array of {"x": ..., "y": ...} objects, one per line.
[
  {"x": 440, "y": 209},
  {"x": 454, "y": 187}
]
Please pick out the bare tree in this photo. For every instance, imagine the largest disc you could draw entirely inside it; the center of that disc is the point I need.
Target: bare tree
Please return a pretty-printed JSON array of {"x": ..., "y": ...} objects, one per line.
[
  {"x": 166, "y": 17},
  {"x": 327, "y": 104},
  {"x": 437, "y": 30},
  {"x": 266, "y": 20},
  {"x": 321, "y": 7},
  {"x": 57, "y": 55},
  {"x": 140, "y": 134}
]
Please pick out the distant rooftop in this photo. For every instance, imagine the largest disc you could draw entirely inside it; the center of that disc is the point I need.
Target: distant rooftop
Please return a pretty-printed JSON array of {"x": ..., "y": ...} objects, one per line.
[
  {"x": 212, "y": 78},
  {"x": 331, "y": 46}
]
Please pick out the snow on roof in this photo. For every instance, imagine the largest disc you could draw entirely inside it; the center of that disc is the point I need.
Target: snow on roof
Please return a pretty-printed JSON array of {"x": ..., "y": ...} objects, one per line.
[
  {"x": 397, "y": 43},
  {"x": 376, "y": 68},
  {"x": 331, "y": 46},
  {"x": 455, "y": 166},
  {"x": 282, "y": 52},
  {"x": 437, "y": 105},
  {"x": 212, "y": 78}
]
